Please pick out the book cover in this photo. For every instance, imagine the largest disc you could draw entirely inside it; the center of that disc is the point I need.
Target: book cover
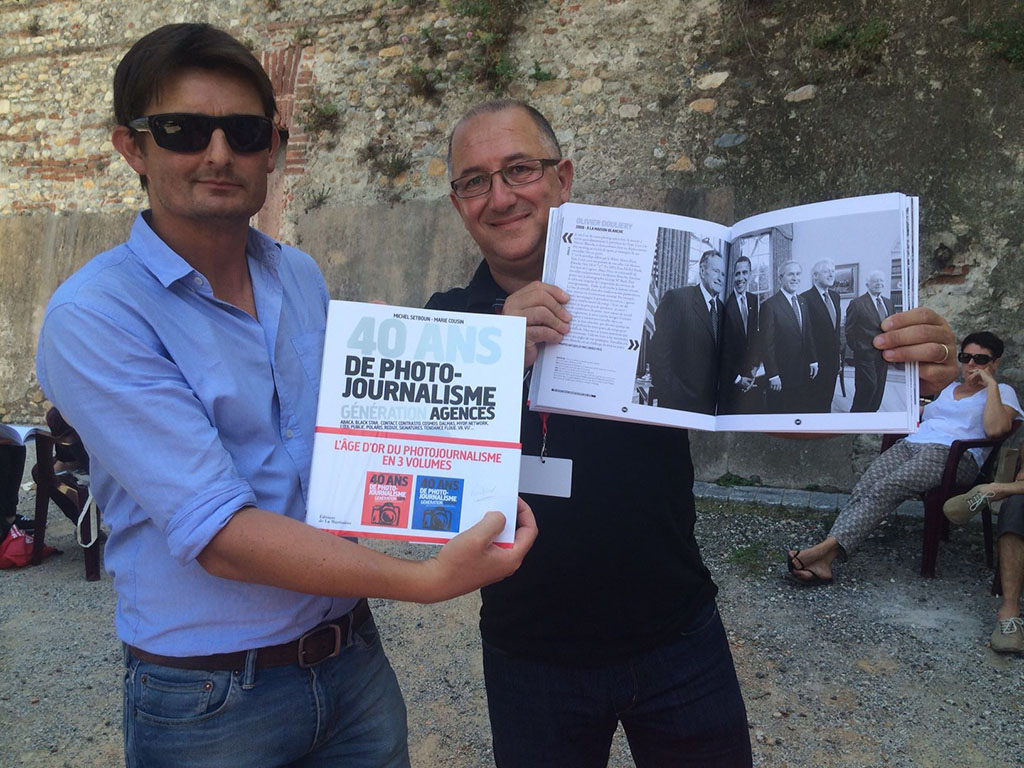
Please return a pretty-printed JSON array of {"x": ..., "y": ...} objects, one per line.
[{"x": 417, "y": 429}]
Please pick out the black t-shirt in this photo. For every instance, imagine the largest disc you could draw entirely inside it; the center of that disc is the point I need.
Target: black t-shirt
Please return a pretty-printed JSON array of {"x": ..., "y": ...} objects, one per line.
[{"x": 615, "y": 568}]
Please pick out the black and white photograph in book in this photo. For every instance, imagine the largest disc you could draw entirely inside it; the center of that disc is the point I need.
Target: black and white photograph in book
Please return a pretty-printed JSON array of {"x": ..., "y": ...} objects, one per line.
[
  {"x": 678, "y": 359},
  {"x": 779, "y": 321},
  {"x": 825, "y": 287}
]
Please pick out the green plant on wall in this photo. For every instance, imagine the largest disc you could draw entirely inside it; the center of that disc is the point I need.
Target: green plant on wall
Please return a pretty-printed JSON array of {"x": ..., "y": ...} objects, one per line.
[
  {"x": 1004, "y": 34},
  {"x": 501, "y": 71},
  {"x": 431, "y": 41},
  {"x": 423, "y": 82},
  {"x": 394, "y": 164},
  {"x": 538, "y": 74},
  {"x": 316, "y": 197},
  {"x": 385, "y": 159},
  {"x": 492, "y": 15},
  {"x": 321, "y": 116},
  {"x": 486, "y": 31},
  {"x": 491, "y": 24}
]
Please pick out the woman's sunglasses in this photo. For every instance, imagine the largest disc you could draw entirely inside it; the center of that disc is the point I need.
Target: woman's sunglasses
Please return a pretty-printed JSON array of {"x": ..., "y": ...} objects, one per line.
[
  {"x": 188, "y": 133},
  {"x": 981, "y": 359}
]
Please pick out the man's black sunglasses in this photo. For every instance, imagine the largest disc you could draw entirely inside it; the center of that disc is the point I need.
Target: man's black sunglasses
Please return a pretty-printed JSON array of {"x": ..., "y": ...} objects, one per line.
[
  {"x": 188, "y": 133},
  {"x": 980, "y": 359}
]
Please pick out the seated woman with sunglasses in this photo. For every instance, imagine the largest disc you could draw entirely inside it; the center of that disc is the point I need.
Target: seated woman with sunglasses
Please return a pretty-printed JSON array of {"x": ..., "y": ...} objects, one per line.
[{"x": 976, "y": 407}]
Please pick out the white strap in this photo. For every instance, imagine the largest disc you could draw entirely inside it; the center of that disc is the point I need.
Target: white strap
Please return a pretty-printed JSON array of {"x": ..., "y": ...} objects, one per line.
[{"x": 94, "y": 523}]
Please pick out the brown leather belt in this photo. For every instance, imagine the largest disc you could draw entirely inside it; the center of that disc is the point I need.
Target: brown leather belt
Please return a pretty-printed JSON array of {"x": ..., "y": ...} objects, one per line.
[{"x": 317, "y": 645}]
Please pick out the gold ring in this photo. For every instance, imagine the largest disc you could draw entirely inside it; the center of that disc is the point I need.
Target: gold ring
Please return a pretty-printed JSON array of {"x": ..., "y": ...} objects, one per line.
[{"x": 945, "y": 355}]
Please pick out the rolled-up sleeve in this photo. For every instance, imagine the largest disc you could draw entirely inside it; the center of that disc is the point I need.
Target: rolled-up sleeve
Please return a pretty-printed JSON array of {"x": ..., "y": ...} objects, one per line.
[{"x": 141, "y": 422}]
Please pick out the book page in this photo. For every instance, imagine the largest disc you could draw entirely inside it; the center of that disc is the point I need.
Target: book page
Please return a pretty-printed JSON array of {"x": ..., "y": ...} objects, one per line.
[
  {"x": 417, "y": 430},
  {"x": 857, "y": 256},
  {"x": 616, "y": 264}
]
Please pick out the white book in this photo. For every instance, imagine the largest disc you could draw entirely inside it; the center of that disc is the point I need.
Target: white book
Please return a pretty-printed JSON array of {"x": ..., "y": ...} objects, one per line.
[
  {"x": 20, "y": 433},
  {"x": 621, "y": 266},
  {"x": 417, "y": 427}
]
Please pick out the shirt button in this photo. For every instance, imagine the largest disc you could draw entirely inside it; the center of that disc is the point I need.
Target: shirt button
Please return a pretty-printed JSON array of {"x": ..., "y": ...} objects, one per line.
[
  {"x": 198, "y": 281},
  {"x": 289, "y": 434}
]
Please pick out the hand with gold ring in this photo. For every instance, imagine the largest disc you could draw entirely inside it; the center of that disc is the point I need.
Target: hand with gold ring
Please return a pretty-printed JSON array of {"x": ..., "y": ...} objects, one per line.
[{"x": 924, "y": 337}]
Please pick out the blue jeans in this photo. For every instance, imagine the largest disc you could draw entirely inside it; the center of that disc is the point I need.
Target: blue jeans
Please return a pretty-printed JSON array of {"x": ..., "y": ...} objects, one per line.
[
  {"x": 679, "y": 704},
  {"x": 347, "y": 711}
]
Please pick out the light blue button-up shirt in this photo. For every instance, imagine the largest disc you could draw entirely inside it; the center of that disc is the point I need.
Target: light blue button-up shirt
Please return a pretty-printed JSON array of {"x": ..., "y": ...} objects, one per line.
[{"x": 190, "y": 409}]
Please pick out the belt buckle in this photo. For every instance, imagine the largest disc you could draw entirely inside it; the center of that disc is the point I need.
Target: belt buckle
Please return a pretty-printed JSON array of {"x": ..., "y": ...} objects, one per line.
[{"x": 333, "y": 628}]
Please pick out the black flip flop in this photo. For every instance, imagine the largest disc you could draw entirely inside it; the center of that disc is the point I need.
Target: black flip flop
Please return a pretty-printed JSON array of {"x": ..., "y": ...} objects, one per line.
[{"x": 814, "y": 581}]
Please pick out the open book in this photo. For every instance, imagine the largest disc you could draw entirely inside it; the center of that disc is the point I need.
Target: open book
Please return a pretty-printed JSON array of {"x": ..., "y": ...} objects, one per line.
[
  {"x": 417, "y": 425},
  {"x": 762, "y": 326},
  {"x": 20, "y": 433}
]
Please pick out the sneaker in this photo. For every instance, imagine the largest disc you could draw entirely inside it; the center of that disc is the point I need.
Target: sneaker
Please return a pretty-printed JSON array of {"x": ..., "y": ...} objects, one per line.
[
  {"x": 26, "y": 524},
  {"x": 1008, "y": 636},
  {"x": 960, "y": 509}
]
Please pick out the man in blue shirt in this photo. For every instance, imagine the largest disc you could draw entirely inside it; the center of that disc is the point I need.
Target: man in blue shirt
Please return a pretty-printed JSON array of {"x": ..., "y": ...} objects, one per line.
[{"x": 188, "y": 360}]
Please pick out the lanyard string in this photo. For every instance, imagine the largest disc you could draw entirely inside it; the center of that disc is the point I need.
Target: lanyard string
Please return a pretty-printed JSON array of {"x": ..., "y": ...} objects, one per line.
[
  {"x": 543, "y": 420},
  {"x": 496, "y": 308}
]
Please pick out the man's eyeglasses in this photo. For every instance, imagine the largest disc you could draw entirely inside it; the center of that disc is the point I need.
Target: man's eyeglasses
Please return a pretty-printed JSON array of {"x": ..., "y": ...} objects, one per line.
[
  {"x": 515, "y": 175},
  {"x": 980, "y": 359},
  {"x": 188, "y": 133}
]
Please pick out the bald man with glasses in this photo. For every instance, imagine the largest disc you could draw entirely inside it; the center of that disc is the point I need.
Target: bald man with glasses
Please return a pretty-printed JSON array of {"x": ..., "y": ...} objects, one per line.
[{"x": 611, "y": 618}]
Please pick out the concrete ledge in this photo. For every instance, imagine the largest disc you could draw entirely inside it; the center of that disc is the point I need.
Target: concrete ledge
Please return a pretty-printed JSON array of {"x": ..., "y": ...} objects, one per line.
[{"x": 790, "y": 498}]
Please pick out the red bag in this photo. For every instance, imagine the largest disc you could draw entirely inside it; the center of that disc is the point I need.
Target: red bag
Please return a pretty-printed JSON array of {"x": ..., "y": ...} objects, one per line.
[{"x": 16, "y": 549}]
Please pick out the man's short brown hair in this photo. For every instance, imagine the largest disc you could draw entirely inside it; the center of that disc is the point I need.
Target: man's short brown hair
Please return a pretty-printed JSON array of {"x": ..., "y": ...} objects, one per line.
[{"x": 159, "y": 56}]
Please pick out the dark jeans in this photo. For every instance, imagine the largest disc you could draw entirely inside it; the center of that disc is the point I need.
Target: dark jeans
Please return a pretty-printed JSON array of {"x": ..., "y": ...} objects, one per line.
[
  {"x": 679, "y": 704},
  {"x": 346, "y": 711},
  {"x": 12, "y": 466}
]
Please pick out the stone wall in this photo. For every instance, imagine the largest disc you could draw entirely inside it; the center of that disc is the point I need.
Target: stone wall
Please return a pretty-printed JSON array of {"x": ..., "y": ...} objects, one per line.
[{"x": 721, "y": 107}]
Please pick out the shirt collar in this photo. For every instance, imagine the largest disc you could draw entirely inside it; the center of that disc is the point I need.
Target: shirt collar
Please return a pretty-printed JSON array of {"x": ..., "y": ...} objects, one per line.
[
  {"x": 168, "y": 267},
  {"x": 707, "y": 296}
]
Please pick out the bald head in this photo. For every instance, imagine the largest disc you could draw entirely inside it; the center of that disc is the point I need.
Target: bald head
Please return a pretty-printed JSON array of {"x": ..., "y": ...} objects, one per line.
[{"x": 546, "y": 133}]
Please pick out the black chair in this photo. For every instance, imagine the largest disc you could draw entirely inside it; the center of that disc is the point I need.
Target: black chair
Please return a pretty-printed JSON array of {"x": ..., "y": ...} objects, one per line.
[
  {"x": 72, "y": 498},
  {"x": 936, "y": 525}
]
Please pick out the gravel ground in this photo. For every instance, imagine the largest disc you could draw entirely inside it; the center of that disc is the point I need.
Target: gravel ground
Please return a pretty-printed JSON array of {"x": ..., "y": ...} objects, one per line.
[{"x": 883, "y": 668}]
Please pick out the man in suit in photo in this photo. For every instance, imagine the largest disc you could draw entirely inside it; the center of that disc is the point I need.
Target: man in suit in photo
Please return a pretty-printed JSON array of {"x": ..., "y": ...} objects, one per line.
[
  {"x": 790, "y": 360},
  {"x": 740, "y": 391},
  {"x": 864, "y": 319},
  {"x": 683, "y": 352},
  {"x": 823, "y": 315}
]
